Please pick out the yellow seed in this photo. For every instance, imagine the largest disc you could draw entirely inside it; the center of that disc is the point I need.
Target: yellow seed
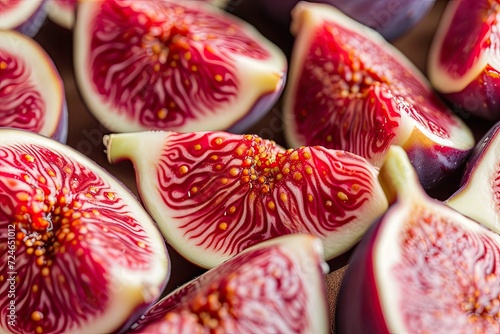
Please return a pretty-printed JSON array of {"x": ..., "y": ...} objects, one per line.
[
  {"x": 194, "y": 190},
  {"x": 23, "y": 196},
  {"x": 297, "y": 176},
  {"x": 279, "y": 177},
  {"x": 329, "y": 138},
  {"x": 29, "y": 158},
  {"x": 224, "y": 180},
  {"x": 141, "y": 244},
  {"x": 45, "y": 272},
  {"x": 194, "y": 68},
  {"x": 271, "y": 205},
  {"x": 162, "y": 113},
  {"x": 342, "y": 196},
  {"x": 187, "y": 55},
  {"x": 234, "y": 171},
  {"x": 309, "y": 170},
  {"x": 218, "y": 77},
  {"x": 156, "y": 67},
  {"x": 197, "y": 147},
  {"x": 310, "y": 197},
  {"x": 39, "y": 330},
  {"x": 223, "y": 226},
  {"x": 218, "y": 141},
  {"x": 183, "y": 169},
  {"x": 34, "y": 288},
  {"x": 214, "y": 157},
  {"x": 36, "y": 316},
  {"x": 3, "y": 65},
  {"x": 232, "y": 209},
  {"x": 284, "y": 197}
]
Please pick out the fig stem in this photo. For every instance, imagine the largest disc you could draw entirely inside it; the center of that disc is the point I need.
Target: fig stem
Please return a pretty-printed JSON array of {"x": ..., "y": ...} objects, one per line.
[{"x": 397, "y": 175}]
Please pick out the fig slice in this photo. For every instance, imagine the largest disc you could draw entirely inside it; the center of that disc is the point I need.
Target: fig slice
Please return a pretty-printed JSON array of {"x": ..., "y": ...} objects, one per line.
[
  {"x": 390, "y": 18},
  {"x": 79, "y": 254},
  {"x": 32, "y": 95},
  {"x": 277, "y": 286},
  {"x": 478, "y": 196},
  {"x": 62, "y": 12},
  {"x": 24, "y": 16},
  {"x": 170, "y": 65},
  {"x": 422, "y": 268},
  {"x": 464, "y": 62},
  {"x": 214, "y": 194},
  {"x": 350, "y": 89}
]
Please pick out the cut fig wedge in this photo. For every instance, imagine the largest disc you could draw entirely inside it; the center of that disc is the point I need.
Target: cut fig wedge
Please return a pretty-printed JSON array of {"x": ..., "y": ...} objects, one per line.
[
  {"x": 479, "y": 194},
  {"x": 25, "y": 16},
  {"x": 32, "y": 93},
  {"x": 274, "y": 287},
  {"x": 79, "y": 254},
  {"x": 213, "y": 194},
  {"x": 62, "y": 12},
  {"x": 170, "y": 65},
  {"x": 423, "y": 268},
  {"x": 464, "y": 61},
  {"x": 349, "y": 89}
]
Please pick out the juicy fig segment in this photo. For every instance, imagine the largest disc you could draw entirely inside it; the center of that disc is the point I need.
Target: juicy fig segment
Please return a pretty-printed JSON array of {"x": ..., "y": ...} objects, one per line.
[
  {"x": 26, "y": 17},
  {"x": 464, "y": 57},
  {"x": 32, "y": 93},
  {"x": 349, "y": 89},
  {"x": 390, "y": 18},
  {"x": 479, "y": 194},
  {"x": 422, "y": 268},
  {"x": 274, "y": 287},
  {"x": 78, "y": 252},
  {"x": 62, "y": 12},
  {"x": 214, "y": 194},
  {"x": 170, "y": 65}
]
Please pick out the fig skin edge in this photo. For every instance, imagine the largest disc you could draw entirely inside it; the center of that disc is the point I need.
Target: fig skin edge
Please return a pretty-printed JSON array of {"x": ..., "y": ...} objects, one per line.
[{"x": 84, "y": 130}]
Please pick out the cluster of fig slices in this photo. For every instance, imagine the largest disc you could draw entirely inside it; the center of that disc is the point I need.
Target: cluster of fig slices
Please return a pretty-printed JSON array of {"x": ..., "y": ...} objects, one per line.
[
  {"x": 80, "y": 254},
  {"x": 173, "y": 65}
]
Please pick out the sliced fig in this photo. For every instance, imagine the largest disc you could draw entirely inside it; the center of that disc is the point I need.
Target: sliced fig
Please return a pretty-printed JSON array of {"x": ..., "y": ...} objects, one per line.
[
  {"x": 478, "y": 196},
  {"x": 349, "y": 89},
  {"x": 62, "y": 12},
  {"x": 464, "y": 61},
  {"x": 24, "y": 16},
  {"x": 32, "y": 93},
  {"x": 390, "y": 18},
  {"x": 423, "y": 268},
  {"x": 79, "y": 254},
  {"x": 274, "y": 287},
  {"x": 214, "y": 194},
  {"x": 170, "y": 65}
]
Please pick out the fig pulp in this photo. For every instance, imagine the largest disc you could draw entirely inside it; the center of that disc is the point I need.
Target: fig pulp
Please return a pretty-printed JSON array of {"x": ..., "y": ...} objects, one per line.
[
  {"x": 423, "y": 268},
  {"x": 349, "y": 89},
  {"x": 478, "y": 196},
  {"x": 170, "y": 65},
  {"x": 24, "y": 16},
  {"x": 31, "y": 90},
  {"x": 214, "y": 194},
  {"x": 464, "y": 61},
  {"x": 78, "y": 252},
  {"x": 274, "y": 287},
  {"x": 391, "y": 18}
]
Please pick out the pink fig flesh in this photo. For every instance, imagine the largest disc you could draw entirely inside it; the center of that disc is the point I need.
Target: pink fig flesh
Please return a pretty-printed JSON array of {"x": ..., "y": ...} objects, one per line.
[
  {"x": 174, "y": 66},
  {"x": 79, "y": 253},
  {"x": 32, "y": 93},
  {"x": 422, "y": 268},
  {"x": 214, "y": 194},
  {"x": 463, "y": 58},
  {"x": 274, "y": 287},
  {"x": 349, "y": 89}
]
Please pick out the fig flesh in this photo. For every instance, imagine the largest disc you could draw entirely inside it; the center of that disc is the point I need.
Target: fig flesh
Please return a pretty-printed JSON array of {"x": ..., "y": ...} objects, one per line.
[
  {"x": 464, "y": 61},
  {"x": 26, "y": 17},
  {"x": 422, "y": 268},
  {"x": 214, "y": 194},
  {"x": 391, "y": 18},
  {"x": 478, "y": 196},
  {"x": 274, "y": 287},
  {"x": 349, "y": 89},
  {"x": 32, "y": 93},
  {"x": 170, "y": 65},
  {"x": 79, "y": 254}
]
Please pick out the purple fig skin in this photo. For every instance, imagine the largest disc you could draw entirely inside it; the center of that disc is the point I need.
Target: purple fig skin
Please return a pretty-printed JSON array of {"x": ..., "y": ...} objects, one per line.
[{"x": 392, "y": 18}]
